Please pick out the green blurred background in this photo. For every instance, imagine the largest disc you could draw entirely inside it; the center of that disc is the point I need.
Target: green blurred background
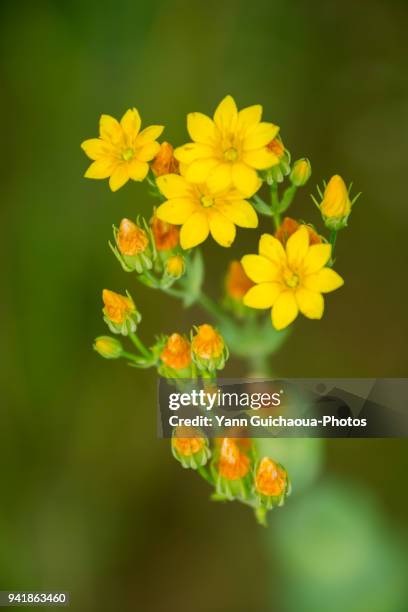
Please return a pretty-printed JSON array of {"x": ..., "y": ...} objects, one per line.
[{"x": 92, "y": 502}]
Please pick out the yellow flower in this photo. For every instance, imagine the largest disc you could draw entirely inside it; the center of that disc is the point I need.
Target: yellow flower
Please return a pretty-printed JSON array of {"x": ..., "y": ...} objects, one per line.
[
  {"x": 201, "y": 209},
  {"x": 117, "y": 308},
  {"x": 271, "y": 479},
  {"x": 228, "y": 149},
  {"x": 336, "y": 202},
  {"x": 122, "y": 151},
  {"x": 131, "y": 239},
  {"x": 290, "y": 280}
]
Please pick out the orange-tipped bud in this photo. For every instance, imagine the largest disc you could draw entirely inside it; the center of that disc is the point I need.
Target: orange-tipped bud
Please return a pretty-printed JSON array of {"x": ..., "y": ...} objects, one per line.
[
  {"x": 233, "y": 464},
  {"x": 289, "y": 226},
  {"x": 131, "y": 239},
  {"x": 189, "y": 447},
  {"x": 120, "y": 312},
  {"x": 271, "y": 479},
  {"x": 276, "y": 146},
  {"x": 165, "y": 162},
  {"x": 176, "y": 353},
  {"x": 208, "y": 347},
  {"x": 237, "y": 282},
  {"x": 166, "y": 235}
]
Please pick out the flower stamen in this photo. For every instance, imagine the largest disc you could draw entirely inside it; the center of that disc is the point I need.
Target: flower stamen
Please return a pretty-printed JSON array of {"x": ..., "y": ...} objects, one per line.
[{"x": 231, "y": 154}]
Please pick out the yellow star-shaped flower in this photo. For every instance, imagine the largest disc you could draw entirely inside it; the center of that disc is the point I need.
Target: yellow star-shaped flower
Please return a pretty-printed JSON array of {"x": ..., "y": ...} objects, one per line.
[
  {"x": 292, "y": 280},
  {"x": 200, "y": 209},
  {"x": 228, "y": 149},
  {"x": 122, "y": 151}
]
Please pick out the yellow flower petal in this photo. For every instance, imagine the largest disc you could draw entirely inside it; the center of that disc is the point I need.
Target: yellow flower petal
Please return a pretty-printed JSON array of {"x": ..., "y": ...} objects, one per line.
[
  {"x": 101, "y": 168},
  {"x": 148, "y": 134},
  {"x": 260, "y": 136},
  {"x": 310, "y": 303},
  {"x": 194, "y": 231},
  {"x": 259, "y": 269},
  {"x": 201, "y": 128},
  {"x": 131, "y": 123},
  {"x": 119, "y": 177},
  {"x": 245, "y": 179},
  {"x": 297, "y": 246},
  {"x": 285, "y": 310},
  {"x": 96, "y": 148},
  {"x": 323, "y": 281},
  {"x": 222, "y": 229},
  {"x": 260, "y": 158},
  {"x": 176, "y": 210},
  {"x": 239, "y": 212},
  {"x": 226, "y": 115},
  {"x": 173, "y": 186},
  {"x": 110, "y": 130},
  {"x": 148, "y": 151},
  {"x": 317, "y": 256},
  {"x": 137, "y": 170},
  {"x": 198, "y": 171},
  {"x": 219, "y": 177},
  {"x": 192, "y": 151},
  {"x": 248, "y": 118},
  {"x": 272, "y": 248},
  {"x": 263, "y": 295}
]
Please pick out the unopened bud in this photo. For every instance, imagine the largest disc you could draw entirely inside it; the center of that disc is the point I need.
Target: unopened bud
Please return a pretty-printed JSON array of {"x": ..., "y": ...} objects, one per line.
[
  {"x": 120, "y": 312},
  {"x": 208, "y": 348},
  {"x": 131, "y": 239},
  {"x": 108, "y": 347},
  {"x": 335, "y": 205},
  {"x": 189, "y": 447},
  {"x": 175, "y": 266},
  {"x": 301, "y": 172},
  {"x": 165, "y": 162}
]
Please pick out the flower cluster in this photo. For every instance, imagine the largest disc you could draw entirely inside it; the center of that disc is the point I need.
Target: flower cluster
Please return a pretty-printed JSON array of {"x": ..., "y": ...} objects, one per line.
[{"x": 234, "y": 170}]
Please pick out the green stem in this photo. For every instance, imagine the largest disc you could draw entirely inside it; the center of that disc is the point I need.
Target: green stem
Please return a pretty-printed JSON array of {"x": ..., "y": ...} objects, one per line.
[
  {"x": 205, "y": 474},
  {"x": 139, "y": 345},
  {"x": 275, "y": 205},
  {"x": 332, "y": 239},
  {"x": 130, "y": 356},
  {"x": 208, "y": 304}
]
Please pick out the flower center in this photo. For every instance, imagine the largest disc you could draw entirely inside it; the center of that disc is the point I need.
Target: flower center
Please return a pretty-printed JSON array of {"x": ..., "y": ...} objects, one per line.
[
  {"x": 206, "y": 201},
  {"x": 290, "y": 278},
  {"x": 231, "y": 154},
  {"x": 128, "y": 154}
]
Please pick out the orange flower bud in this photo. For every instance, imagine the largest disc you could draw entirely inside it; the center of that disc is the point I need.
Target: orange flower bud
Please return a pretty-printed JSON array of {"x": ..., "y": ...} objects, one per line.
[
  {"x": 117, "y": 308},
  {"x": 271, "y": 479},
  {"x": 237, "y": 282},
  {"x": 187, "y": 446},
  {"x": 289, "y": 227},
  {"x": 165, "y": 162},
  {"x": 276, "y": 146},
  {"x": 131, "y": 239},
  {"x": 207, "y": 343},
  {"x": 177, "y": 352},
  {"x": 233, "y": 464},
  {"x": 166, "y": 235}
]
